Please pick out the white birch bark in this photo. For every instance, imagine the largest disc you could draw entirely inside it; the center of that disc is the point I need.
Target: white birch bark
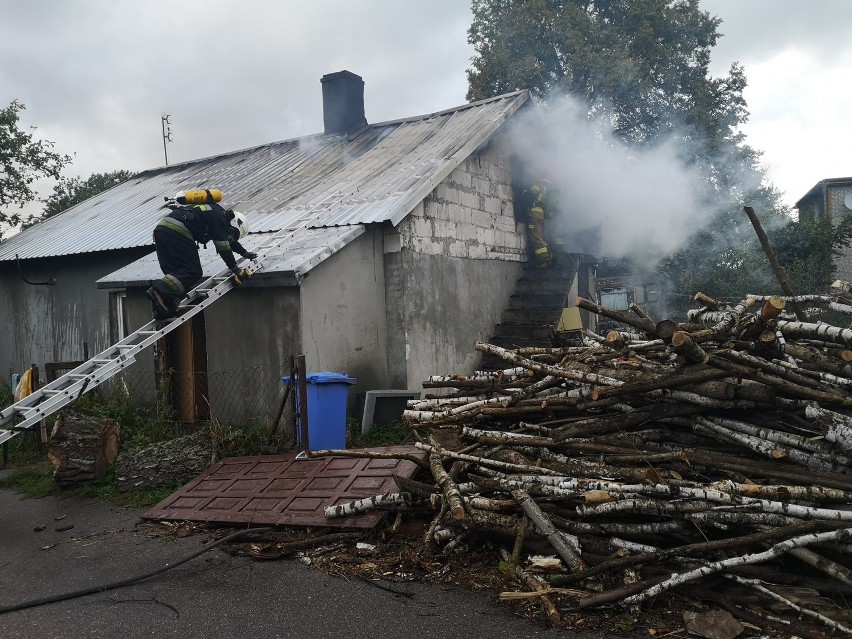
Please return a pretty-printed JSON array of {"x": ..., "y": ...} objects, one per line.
[
  {"x": 823, "y": 332},
  {"x": 843, "y": 309},
  {"x": 492, "y": 463},
  {"x": 839, "y": 426},
  {"x": 710, "y": 568},
  {"x": 368, "y": 503},
  {"x": 829, "y": 567},
  {"x": 831, "y": 623},
  {"x": 560, "y": 541}
]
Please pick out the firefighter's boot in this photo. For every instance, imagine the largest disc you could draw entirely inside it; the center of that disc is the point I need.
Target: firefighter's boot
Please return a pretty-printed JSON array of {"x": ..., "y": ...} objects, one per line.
[{"x": 160, "y": 307}]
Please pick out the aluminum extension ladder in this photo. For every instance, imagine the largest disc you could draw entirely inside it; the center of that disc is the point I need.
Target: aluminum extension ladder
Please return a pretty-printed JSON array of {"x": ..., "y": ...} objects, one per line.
[{"x": 27, "y": 413}]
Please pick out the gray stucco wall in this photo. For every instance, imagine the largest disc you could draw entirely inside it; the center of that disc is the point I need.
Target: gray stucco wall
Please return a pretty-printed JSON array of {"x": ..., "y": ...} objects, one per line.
[
  {"x": 251, "y": 334},
  {"x": 438, "y": 308},
  {"x": 52, "y": 323},
  {"x": 253, "y": 327},
  {"x": 343, "y": 314}
]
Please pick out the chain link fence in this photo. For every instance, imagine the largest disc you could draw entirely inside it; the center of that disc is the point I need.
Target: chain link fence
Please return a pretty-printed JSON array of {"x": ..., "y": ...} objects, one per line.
[{"x": 248, "y": 397}]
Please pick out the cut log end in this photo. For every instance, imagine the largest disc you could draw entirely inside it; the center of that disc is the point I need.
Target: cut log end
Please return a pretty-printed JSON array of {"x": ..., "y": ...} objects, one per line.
[
  {"x": 665, "y": 329},
  {"x": 772, "y": 308}
]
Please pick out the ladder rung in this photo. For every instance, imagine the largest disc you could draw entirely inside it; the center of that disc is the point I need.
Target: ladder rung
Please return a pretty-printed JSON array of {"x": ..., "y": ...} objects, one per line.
[{"x": 112, "y": 360}]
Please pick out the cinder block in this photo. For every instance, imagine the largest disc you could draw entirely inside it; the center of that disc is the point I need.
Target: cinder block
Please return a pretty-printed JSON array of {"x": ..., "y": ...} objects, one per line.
[{"x": 384, "y": 406}]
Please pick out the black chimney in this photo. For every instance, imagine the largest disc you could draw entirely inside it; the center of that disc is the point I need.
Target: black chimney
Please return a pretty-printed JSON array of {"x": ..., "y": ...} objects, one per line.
[{"x": 342, "y": 102}]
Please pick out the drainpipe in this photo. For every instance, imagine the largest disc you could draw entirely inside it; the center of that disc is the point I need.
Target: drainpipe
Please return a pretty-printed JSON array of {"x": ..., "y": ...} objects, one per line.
[{"x": 50, "y": 282}]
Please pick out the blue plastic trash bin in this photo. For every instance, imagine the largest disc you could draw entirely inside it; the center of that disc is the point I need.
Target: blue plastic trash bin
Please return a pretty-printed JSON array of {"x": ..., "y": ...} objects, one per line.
[{"x": 327, "y": 395}]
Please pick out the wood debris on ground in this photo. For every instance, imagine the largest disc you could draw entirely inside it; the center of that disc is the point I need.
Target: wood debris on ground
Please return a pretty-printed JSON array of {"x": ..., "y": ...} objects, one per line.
[{"x": 709, "y": 460}]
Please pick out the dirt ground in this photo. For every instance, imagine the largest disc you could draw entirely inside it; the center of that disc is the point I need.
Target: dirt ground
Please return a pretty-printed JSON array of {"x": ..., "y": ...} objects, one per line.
[{"x": 392, "y": 557}]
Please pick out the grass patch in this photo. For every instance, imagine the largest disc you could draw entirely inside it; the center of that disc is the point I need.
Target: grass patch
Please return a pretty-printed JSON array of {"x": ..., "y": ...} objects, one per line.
[
  {"x": 32, "y": 481},
  {"x": 140, "y": 426},
  {"x": 36, "y": 481},
  {"x": 391, "y": 434}
]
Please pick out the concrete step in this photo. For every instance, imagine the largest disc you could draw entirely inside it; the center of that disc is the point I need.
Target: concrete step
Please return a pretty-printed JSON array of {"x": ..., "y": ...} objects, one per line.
[
  {"x": 548, "y": 275},
  {"x": 492, "y": 363},
  {"x": 524, "y": 331},
  {"x": 546, "y": 315},
  {"x": 543, "y": 286},
  {"x": 518, "y": 341},
  {"x": 538, "y": 300}
]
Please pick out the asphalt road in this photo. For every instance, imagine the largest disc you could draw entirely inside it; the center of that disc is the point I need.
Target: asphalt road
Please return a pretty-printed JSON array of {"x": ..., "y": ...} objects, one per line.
[{"x": 214, "y": 595}]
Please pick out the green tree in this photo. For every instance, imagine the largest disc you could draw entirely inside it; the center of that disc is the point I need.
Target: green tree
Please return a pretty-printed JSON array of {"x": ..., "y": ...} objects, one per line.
[
  {"x": 644, "y": 63},
  {"x": 71, "y": 191},
  {"x": 643, "y": 67},
  {"x": 725, "y": 260},
  {"x": 23, "y": 160}
]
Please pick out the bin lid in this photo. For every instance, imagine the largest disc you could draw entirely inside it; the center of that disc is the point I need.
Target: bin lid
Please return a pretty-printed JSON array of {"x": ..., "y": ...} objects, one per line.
[
  {"x": 325, "y": 378},
  {"x": 329, "y": 378}
]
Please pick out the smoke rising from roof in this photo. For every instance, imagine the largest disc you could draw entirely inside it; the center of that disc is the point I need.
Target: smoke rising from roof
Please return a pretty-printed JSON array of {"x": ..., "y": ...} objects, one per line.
[{"x": 614, "y": 200}]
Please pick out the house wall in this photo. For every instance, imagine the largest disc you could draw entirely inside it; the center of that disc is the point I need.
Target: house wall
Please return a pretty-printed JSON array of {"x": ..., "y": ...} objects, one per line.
[
  {"x": 450, "y": 267},
  {"x": 837, "y": 211},
  {"x": 44, "y": 324},
  {"x": 251, "y": 334},
  {"x": 343, "y": 315}
]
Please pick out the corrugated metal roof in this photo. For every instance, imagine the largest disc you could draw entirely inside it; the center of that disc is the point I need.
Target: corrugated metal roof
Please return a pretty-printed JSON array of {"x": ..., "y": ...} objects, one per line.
[
  {"x": 377, "y": 174},
  {"x": 295, "y": 257}
]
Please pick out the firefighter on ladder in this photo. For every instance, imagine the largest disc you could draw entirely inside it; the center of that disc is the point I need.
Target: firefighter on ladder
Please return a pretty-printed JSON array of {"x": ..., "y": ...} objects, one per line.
[
  {"x": 539, "y": 201},
  {"x": 196, "y": 218}
]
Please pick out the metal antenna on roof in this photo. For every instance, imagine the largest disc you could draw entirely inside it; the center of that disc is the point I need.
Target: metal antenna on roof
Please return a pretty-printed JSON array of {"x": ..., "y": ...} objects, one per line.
[{"x": 167, "y": 133}]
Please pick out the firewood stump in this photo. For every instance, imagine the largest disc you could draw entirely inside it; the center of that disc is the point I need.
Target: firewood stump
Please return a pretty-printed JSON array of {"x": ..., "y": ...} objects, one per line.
[{"x": 82, "y": 448}]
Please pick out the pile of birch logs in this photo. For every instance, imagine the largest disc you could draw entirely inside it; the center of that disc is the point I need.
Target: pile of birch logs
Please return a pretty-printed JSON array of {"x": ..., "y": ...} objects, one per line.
[{"x": 711, "y": 458}]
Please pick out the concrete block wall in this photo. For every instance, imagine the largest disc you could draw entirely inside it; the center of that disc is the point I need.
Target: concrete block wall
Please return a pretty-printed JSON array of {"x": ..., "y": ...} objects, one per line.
[
  {"x": 469, "y": 214},
  {"x": 450, "y": 267}
]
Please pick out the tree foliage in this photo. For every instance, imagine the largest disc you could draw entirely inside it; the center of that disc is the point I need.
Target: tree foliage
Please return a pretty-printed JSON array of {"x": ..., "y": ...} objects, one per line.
[
  {"x": 71, "y": 191},
  {"x": 643, "y": 66},
  {"x": 23, "y": 160},
  {"x": 643, "y": 62},
  {"x": 725, "y": 259}
]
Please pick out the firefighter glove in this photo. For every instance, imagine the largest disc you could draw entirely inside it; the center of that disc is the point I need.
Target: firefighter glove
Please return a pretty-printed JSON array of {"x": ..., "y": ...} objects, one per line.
[{"x": 251, "y": 255}]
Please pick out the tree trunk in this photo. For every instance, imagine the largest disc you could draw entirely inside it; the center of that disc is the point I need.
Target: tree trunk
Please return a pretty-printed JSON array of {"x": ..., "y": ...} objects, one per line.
[{"x": 82, "y": 448}]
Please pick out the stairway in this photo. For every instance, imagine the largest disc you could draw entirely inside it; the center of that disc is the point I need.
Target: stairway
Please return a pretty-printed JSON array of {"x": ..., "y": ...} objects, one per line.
[{"x": 534, "y": 308}]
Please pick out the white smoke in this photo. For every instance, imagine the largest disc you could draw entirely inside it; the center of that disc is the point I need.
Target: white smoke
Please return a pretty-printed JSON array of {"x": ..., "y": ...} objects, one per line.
[{"x": 615, "y": 201}]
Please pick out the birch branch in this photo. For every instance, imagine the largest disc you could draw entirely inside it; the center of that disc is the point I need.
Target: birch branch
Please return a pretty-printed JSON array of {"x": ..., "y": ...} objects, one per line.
[
  {"x": 368, "y": 503},
  {"x": 448, "y": 486},
  {"x": 776, "y": 550},
  {"x": 368, "y": 454},
  {"x": 539, "y": 589},
  {"x": 831, "y": 623},
  {"x": 546, "y": 528},
  {"x": 829, "y": 567}
]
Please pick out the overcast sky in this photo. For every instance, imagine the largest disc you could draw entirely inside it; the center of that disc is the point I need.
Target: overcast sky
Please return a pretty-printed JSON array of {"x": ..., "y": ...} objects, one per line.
[{"x": 96, "y": 75}]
